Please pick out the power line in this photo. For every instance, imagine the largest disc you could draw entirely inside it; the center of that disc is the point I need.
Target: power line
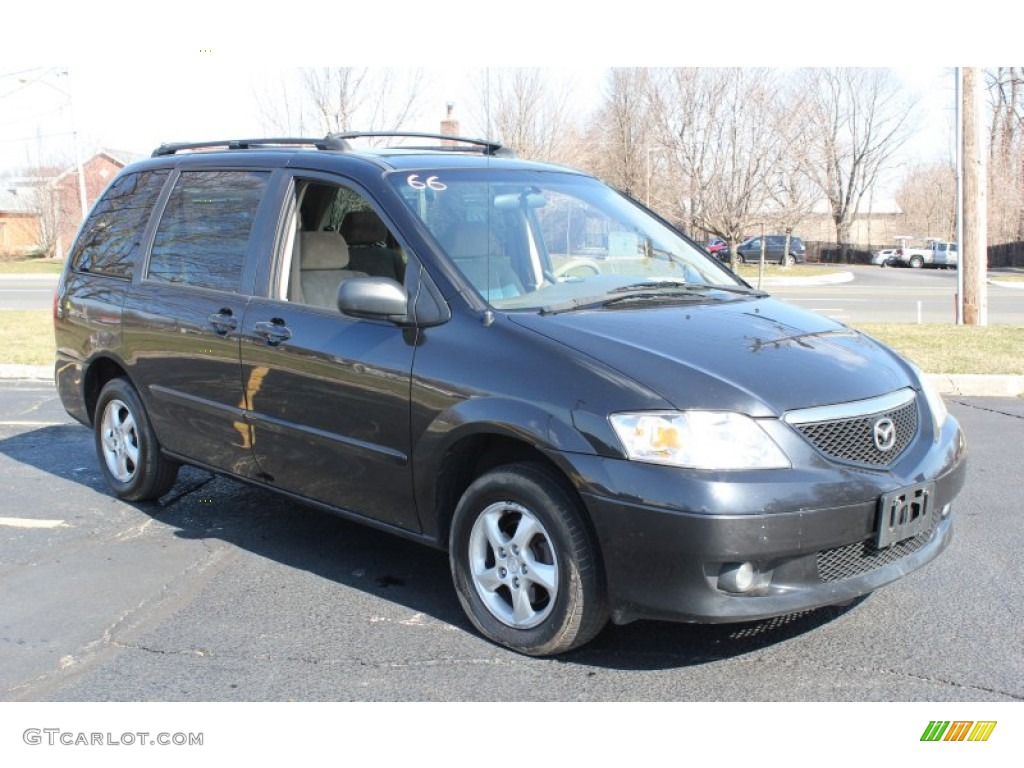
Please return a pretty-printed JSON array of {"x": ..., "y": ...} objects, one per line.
[
  {"x": 34, "y": 137},
  {"x": 20, "y": 72},
  {"x": 35, "y": 116}
]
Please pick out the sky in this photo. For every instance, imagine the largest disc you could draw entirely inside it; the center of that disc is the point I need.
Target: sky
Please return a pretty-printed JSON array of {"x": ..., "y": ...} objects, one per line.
[
  {"x": 186, "y": 103},
  {"x": 137, "y": 80},
  {"x": 191, "y": 102}
]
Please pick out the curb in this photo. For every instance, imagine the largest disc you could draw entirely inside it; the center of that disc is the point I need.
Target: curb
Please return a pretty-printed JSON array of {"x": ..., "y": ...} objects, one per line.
[
  {"x": 11, "y": 371},
  {"x": 978, "y": 384},
  {"x": 838, "y": 277},
  {"x": 54, "y": 276}
]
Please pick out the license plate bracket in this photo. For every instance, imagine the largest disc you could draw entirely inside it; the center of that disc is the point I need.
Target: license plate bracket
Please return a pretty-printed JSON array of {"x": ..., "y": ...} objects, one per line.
[{"x": 904, "y": 513}]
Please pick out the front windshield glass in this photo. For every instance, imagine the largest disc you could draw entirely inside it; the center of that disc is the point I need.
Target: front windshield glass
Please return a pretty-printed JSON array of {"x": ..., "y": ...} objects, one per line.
[{"x": 538, "y": 240}]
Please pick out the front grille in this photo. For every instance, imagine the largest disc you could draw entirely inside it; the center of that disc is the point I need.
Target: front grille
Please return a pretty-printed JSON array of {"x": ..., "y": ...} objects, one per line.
[
  {"x": 863, "y": 556},
  {"x": 852, "y": 439}
]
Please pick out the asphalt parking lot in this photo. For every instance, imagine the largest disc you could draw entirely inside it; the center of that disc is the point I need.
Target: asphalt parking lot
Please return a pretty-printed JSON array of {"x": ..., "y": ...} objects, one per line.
[{"x": 223, "y": 592}]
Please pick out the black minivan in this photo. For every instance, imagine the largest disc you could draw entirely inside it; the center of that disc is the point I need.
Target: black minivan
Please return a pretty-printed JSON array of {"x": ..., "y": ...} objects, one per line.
[{"x": 504, "y": 359}]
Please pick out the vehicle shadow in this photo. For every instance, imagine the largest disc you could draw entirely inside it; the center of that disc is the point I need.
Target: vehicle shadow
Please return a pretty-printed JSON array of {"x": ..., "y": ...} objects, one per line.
[
  {"x": 656, "y": 645},
  {"x": 404, "y": 572}
]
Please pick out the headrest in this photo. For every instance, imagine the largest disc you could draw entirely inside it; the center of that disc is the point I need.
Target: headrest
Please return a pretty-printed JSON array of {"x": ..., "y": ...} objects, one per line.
[
  {"x": 468, "y": 239},
  {"x": 363, "y": 228},
  {"x": 322, "y": 250}
]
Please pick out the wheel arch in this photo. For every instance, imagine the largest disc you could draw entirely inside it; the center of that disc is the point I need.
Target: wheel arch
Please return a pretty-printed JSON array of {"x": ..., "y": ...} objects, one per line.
[
  {"x": 99, "y": 371},
  {"x": 475, "y": 454}
]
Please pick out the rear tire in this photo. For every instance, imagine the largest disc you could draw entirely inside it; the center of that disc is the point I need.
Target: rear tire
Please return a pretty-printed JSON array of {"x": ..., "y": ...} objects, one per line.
[
  {"x": 126, "y": 446},
  {"x": 524, "y": 564}
]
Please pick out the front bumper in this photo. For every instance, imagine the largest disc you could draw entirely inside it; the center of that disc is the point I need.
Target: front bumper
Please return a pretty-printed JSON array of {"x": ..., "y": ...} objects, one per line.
[{"x": 665, "y": 534}]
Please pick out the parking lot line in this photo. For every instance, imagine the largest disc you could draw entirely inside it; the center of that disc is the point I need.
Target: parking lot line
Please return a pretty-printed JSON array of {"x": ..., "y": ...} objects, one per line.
[{"x": 25, "y": 522}]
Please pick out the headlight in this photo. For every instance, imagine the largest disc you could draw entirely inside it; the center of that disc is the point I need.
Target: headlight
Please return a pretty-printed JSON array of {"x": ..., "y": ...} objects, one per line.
[
  {"x": 697, "y": 439},
  {"x": 934, "y": 400}
]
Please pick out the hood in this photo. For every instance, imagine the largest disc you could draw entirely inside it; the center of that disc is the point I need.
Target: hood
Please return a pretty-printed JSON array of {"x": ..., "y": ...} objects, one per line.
[{"x": 757, "y": 356}]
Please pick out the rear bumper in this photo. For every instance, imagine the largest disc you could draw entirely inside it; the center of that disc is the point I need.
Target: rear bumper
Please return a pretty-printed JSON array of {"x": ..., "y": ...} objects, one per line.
[{"x": 69, "y": 377}]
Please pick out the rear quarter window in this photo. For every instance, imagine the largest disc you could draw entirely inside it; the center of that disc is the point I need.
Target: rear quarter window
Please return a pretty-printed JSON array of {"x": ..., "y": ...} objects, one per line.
[{"x": 111, "y": 239}]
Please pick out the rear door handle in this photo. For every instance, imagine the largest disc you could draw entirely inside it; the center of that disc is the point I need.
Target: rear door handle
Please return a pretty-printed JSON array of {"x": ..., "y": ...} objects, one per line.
[
  {"x": 223, "y": 322},
  {"x": 274, "y": 332}
]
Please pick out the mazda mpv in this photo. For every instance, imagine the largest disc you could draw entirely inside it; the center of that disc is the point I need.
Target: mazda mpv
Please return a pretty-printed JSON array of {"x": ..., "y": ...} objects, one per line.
[{"x": 504, "y": 359}]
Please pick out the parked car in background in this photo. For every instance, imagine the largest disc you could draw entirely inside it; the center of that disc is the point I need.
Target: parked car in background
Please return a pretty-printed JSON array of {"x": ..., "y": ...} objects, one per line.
[
  {"x": 945, "y": 255},
  {"x": 913, "y": 257},
  {"x": 884, "y": 257},
  {"x": 775, "y": 246},
  {"x": 715, "y": 244},
  {"x": 938, "y": 253}
]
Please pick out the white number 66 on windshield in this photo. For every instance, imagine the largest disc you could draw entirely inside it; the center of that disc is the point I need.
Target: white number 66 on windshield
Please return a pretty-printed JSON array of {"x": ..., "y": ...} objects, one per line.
[{"x": 430, "y": 183}]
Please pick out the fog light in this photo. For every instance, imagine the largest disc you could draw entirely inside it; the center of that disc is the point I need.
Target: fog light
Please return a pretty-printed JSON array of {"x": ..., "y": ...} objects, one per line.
[
  {"x": 737, "y": 577},
  {"x": 946, "y": 510}
]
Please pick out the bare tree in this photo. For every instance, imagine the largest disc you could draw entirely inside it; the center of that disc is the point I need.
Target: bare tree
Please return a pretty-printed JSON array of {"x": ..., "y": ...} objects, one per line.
[
  {"x": 334, "y": 99},
  {"x": 1006, "y": 150},
  {"x": 283, "y": 105},
  {"x": 726, "y": 134},
  {"x": 48, "y": 204},
  {"x": 49, "y": 212},
  {"x": 858, "y": 119},
  {"x": 620, "y": 138},
  {"x": 526, "y": 110},
  {"x": 927, "y": 197}
]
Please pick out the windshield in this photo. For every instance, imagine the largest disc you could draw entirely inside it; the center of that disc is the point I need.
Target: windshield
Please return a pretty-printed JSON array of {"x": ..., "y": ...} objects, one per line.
[{"x": 542, "y": 240}]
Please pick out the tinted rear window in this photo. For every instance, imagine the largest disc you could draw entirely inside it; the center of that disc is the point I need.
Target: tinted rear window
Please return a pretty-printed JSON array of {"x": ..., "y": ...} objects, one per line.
[
  {"x": 203, "y": 236},
  {"x": 111, "y": 239}
]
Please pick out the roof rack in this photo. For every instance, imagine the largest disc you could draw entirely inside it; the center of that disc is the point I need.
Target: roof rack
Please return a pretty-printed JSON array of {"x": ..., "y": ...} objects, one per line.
[
  {"x": 328, "y": 142},
  {"x": 339, "y": 142},
  {"x": 485, "y": 146}
]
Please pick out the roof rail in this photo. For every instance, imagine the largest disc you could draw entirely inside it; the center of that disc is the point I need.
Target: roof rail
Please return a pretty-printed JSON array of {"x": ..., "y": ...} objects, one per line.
[
  {"x": 328, "y": 142},
  {"x": 485, "y": 146}
]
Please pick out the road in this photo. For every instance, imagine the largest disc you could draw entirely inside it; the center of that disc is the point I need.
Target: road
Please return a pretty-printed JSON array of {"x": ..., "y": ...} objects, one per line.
[
  {"x": 222, "y": 592},
  {"x": 877, "y": 295},
  {"x": 27, "y": 291}
]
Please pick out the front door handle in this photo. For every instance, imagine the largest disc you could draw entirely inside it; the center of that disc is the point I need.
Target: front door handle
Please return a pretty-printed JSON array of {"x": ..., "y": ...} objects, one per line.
[{"x": 274, "y": 331}]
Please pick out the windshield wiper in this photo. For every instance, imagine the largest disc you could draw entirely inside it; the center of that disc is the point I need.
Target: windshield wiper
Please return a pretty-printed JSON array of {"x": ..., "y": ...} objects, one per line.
[
  {"x": 661, "y": 285},
  {"x": 656, "y": 285},
  {"x": 658, "y": 290}
]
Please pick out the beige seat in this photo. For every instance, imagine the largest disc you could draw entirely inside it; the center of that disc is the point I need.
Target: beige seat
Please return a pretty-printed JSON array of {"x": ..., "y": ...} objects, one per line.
[
  {"x": 323, "y": 266},
  {"x": 473, "y": 251},
  {"x": 367, "y": 238}
]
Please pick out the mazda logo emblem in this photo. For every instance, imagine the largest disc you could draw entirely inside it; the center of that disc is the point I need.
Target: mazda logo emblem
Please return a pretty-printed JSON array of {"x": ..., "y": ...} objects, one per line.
[{"x": 885, "y": 434}]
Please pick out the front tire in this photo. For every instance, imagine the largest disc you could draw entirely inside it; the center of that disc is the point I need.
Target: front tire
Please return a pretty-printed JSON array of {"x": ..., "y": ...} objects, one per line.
[
  {"x": 524, "y": 564},
  {"x": 126, "y": 446}
]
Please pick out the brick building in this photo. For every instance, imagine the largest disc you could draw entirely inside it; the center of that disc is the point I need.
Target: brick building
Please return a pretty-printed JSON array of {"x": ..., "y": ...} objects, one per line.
[
  {"x": 19, "y": 219},
  {"x": 41, "y": 212}
]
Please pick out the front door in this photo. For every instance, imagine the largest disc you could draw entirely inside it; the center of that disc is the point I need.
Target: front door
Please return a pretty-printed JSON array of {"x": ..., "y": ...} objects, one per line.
[{"x": 328, "y": 395}]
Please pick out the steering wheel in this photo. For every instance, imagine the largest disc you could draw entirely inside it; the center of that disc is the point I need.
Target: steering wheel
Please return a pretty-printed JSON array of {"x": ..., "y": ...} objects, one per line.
[{"x": 578, "y": 268}]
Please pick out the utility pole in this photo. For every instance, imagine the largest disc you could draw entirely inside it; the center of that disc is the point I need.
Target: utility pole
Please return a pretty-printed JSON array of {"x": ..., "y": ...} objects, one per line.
[{"x": 973, "y": 260}]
